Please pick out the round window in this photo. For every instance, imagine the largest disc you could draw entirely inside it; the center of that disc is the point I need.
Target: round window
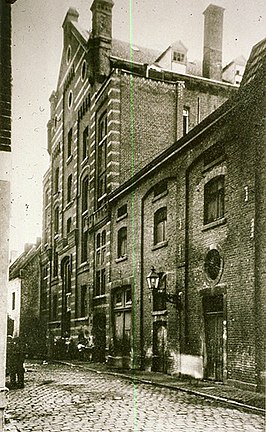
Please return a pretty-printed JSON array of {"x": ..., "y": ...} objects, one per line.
[
  {"x": 68, "y": 54},
  {"x": 213, "y": 264},
  {"x": 84, "y": 70},
  {"x": 70, "y": 99}
]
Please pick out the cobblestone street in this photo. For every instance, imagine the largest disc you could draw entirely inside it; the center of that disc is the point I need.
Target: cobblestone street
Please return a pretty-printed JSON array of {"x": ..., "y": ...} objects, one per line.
[{"x": 64, "y": 398}]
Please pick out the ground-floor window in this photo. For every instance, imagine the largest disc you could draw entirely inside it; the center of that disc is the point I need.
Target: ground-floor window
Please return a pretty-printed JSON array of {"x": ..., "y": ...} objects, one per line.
[{"x": 122, "y": 303}]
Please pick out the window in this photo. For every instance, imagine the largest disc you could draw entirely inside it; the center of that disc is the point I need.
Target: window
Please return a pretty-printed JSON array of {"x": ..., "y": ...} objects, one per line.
[
  {"x": 54, "y": 307},
  {"x": 160, "y": 188},
  {"x": 69, "y": 222},
  {"x": 13, "y": 300},
  {"x": 178, "y": 57},
  {"x": 85, "y": 143},
  {"x": 185, "y": 120},
  {"x": 122, "y": 321},
  {"x": 56, "y": 180},
  {"x": 122, "y": 211},
  {"x": 160, "y": 218},
  {"x": 55, "y": 272},
  {"x": 100, "y": 263},
  {"x": 56, "y": 220},
  {"x": 69, "y": 188},
  {"x": 69, "y": 142},
  {"x": 83, "y": 301},
  {"x": 102, "y": 150},
  {"x": 84, "y": 193},
  {"x": 122, "y": 242},
  {"x": 213, "y": 153},
  {"x": 84, "y": 241},
  {"x": 213, "y": 264},
  {"x": 68, "y": 56},
  {"x": 214, "y": 200},
  {"x": 83, "y": 70},
  {"x": 70, "y": 99}
]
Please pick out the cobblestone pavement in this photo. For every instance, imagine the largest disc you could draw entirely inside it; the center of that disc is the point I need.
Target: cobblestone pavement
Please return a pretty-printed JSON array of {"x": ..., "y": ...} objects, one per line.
[{"x": 60, "y": 398}]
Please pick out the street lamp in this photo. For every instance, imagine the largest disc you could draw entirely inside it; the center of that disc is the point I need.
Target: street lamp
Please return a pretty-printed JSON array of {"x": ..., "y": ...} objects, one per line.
[{"x": 153, "y": 281}]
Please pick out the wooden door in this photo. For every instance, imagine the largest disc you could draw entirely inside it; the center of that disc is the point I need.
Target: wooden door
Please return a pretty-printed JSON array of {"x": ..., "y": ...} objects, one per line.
[{"x": 214, "y": 345}]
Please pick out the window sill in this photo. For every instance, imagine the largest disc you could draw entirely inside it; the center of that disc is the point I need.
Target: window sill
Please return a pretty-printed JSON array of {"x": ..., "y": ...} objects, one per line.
[
  {"x": 160, "y": 245},
  {"x": 123, "y": 258},
  {"x": 161, "y": 195},
  {"x": 69, "y": 159},
  {"x": 214, "y": 224},
  {"x": 122, "y": 217}
]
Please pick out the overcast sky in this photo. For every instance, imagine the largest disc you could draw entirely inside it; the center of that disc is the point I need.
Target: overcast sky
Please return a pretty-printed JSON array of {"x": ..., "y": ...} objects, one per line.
[{"x": 37, "y": 47}]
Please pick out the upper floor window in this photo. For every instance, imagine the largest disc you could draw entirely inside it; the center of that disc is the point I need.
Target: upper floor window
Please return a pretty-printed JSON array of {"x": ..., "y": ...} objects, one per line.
[
  {"x": 213, "y": 153},
  {"x": 56, "y": 220},
  {"x": 160, "y": 218},
  {"x": 122, "y": 211},
  {"x": 100, "y": 263},
  {"x": 84, "y": 194},
  {"x": 214, "y": 200},
  {"x": 69, "y": 223},
  {"x": 85, "y": 143},
  {"x": 69, "y": 142},
  {"x": 179, "y": 57},
  {"x": 69, "y": 188},
  {"x": 68, "y": 56},
  {"x": 83, "y": 70},
  {"x": 55, "y": 269},
  {"x": 160, "y": 188},
  {"x": 13, "y": 300},
  {"x": 122, "y": 242},
  {"x": 185, "y": 120},
  {"x": 56, "y": 180},
  {"x": 102, "y": 156}
]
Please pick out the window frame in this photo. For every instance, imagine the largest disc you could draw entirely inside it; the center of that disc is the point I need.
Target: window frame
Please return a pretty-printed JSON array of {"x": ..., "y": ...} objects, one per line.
[
  {"x": 159, "y": 223},
  {"x": 122, "y": 242},
  {"x": 214, "y": 199},
  {"x": 69, "y": 188}
]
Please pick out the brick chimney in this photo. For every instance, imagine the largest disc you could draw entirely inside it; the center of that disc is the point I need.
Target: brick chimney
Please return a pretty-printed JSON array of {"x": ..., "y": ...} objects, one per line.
[
  {"x": 213, "y": 42},
  {"x": 101, "y": 37}
]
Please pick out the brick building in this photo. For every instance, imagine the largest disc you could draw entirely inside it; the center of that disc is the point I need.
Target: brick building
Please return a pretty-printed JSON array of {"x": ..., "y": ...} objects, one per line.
[
  {"x": 24, "y": 299},
  {"x": 128, "y": 140}
]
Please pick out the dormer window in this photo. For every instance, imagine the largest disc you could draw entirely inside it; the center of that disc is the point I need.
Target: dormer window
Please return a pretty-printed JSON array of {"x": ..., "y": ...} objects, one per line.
[{"x": 178, "y": 57}]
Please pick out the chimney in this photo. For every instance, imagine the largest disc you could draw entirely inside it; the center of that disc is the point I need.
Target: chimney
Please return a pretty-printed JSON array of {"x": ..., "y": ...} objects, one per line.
[
  {"x": 213, "y": 42},
  {"x": 101, "y": 37}
]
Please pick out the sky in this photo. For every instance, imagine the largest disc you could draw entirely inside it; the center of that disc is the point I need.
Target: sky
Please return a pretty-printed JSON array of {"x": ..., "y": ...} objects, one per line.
[{"x": 36, "y": 55}]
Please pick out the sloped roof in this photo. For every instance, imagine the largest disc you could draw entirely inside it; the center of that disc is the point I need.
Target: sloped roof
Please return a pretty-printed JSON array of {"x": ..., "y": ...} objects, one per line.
[
  {"x": 133, "y": 53},
  {"x": 256, "y": 65}
]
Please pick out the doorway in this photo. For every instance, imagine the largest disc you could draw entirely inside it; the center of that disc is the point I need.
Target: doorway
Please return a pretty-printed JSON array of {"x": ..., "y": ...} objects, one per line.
[
  {"x": 99, "y": 333},
  {"x": 214, "y": 329}
]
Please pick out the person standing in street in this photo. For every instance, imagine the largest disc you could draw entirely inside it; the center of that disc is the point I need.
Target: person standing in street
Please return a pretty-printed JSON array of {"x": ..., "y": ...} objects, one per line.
[{"x": 15, "y": 364}]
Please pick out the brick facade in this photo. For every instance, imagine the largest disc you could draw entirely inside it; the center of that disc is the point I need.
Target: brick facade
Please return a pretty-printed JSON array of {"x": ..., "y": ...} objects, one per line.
[{"x": 118, "y": 132}]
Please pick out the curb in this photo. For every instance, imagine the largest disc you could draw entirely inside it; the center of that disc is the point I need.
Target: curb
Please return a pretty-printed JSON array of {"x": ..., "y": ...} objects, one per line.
[{"x": 220, "y": 399}]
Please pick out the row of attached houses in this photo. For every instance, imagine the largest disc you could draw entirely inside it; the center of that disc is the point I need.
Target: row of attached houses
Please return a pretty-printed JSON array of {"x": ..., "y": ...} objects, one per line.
[{"x": 153, "y": 214}]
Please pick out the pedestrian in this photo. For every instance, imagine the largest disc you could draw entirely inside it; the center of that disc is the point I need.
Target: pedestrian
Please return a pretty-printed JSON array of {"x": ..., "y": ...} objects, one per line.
[{"x": 16, "y": 358}]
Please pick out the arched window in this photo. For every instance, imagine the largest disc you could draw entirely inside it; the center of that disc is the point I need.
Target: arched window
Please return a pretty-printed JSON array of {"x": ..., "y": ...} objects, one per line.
[
  {"x": 160, "y": 218},
  {"x": 122, "y": 242},
  {"x": 214, "y": 200}
]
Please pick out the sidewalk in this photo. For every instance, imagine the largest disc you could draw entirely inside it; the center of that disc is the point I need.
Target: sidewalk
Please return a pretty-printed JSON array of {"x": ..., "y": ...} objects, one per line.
[{"x": 217, "y": 391}]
